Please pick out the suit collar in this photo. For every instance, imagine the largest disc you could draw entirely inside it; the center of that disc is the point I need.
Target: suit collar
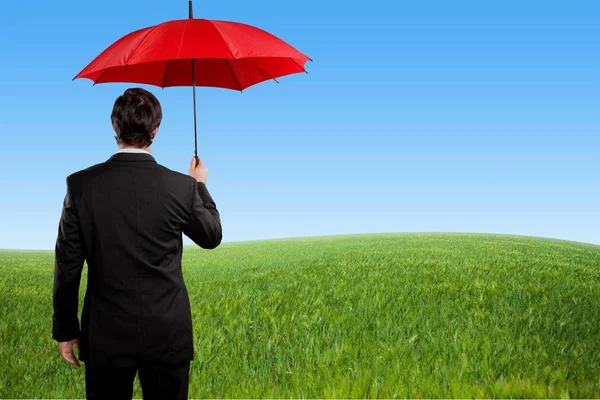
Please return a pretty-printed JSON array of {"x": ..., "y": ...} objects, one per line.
[{"x": 132, "y": 157}]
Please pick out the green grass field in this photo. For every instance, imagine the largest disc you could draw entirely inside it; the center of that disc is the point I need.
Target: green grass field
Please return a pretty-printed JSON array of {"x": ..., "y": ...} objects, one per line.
[{"x": 355, "y": 316}]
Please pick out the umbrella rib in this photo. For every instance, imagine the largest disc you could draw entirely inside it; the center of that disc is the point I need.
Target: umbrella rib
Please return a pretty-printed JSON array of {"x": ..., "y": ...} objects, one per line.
[
  {"x": 139, "y": 44},
  {"x": 303, "y": 69},
  {"x": 100, "y": 77},
  {"x": 230, "y": 51},
  {"x": 266, "y": 72},
  {"x": 234, "y": 75},
  {"x": 165, "y": 77},
  {"x": 222, "y": 38}
]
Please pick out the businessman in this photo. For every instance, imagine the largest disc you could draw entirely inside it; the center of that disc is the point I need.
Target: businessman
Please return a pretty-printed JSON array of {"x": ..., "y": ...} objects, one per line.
[{"x": 125, "y": 218}]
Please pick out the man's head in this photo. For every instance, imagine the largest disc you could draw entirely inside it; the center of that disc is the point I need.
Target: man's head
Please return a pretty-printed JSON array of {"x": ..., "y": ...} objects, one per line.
[{"x": 136, "y": 117}]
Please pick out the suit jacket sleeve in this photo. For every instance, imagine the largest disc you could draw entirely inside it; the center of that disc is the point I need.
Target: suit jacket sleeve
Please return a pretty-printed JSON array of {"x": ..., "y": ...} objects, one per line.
[
  {"x": 69, "y": 259},
  {"x": 204, "y": 224}
]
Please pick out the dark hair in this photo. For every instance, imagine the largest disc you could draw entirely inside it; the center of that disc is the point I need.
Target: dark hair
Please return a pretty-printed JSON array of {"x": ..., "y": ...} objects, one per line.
[{"x": 134, "y": 117}]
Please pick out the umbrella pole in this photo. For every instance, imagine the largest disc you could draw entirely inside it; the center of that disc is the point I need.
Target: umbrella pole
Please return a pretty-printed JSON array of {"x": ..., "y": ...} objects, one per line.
[
  {"x": 195, "y": 124},
  {"x": 194, "y": 91}
]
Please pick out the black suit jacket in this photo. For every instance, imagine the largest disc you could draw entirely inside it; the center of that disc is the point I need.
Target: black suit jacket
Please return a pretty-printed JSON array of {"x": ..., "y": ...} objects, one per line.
[{"x": 125, "y": 217}]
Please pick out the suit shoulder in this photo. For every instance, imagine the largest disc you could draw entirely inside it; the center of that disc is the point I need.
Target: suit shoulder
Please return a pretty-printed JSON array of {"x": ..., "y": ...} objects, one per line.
[
  {"x": 83, "y": 173},
  {"x": 175, "y": 175}
]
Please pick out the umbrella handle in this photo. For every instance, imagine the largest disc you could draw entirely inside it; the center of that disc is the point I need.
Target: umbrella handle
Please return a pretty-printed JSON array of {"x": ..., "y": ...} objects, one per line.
[{"x": 197, "y": 161}]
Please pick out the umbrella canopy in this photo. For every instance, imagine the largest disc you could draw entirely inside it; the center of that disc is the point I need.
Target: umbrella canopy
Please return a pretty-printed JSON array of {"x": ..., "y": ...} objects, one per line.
[
  {"x": 196, "y": 52},
  {"x": 226, "y": 54}
]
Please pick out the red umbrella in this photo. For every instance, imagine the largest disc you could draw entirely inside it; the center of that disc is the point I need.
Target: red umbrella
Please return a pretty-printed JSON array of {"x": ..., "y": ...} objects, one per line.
[{"x": 196, "y": 52}]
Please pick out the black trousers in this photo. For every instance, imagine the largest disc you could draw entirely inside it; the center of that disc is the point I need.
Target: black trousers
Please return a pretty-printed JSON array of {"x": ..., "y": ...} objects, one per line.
[{"x": 158, "y": 381}]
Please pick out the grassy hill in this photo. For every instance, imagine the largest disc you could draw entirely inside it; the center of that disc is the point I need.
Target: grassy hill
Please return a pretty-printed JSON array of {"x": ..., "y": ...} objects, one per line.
[{"x": 377, "y": 315}]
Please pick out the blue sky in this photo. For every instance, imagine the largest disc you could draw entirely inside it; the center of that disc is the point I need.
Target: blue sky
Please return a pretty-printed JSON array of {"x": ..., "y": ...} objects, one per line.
[{"x": 416, "y": 116}]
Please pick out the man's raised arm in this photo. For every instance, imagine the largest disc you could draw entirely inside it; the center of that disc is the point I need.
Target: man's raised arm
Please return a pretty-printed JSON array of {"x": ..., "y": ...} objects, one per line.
[{"x": 204, "y": 223}]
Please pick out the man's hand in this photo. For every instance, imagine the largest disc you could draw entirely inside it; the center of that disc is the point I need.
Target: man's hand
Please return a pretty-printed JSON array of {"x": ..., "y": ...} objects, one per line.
[
  {"x": 66, "y": 350},
  {"x": 200, "y": 173}
]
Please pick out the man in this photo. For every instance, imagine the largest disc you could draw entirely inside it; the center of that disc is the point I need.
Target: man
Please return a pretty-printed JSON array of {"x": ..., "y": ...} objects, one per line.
[{"x": 125, "y": 218}]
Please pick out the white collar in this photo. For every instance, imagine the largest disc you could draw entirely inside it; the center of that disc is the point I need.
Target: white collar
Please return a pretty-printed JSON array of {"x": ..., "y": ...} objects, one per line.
[{"x": 133, "y": 151}]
